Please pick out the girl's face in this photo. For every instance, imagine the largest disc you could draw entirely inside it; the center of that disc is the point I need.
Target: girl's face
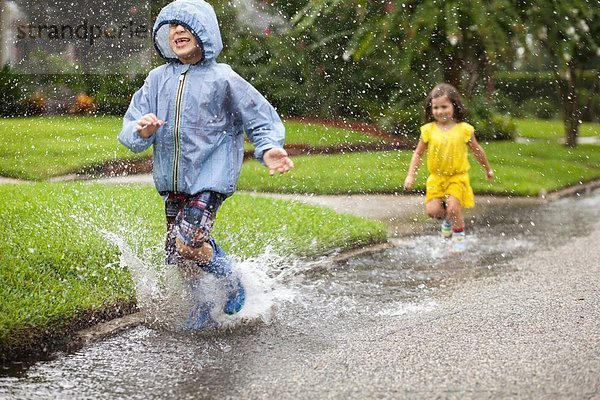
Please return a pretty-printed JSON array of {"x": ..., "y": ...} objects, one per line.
[
  {"x": 184, "y": 44},
  {"x": 442, "y": 109}
]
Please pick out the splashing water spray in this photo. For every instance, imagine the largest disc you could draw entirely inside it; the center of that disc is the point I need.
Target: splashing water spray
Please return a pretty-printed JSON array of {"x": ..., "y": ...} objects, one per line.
[{"x": 171, "y": 300}]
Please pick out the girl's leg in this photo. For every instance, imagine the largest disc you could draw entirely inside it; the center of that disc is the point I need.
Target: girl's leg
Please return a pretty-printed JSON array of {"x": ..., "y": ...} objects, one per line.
[
  {"x": 454, "y": 212},
  {"x": 436, "y": 209},
  {"x": 455, "y": 215}
]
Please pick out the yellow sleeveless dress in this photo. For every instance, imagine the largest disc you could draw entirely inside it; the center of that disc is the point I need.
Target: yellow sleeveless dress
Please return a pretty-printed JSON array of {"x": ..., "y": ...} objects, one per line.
[{"x": 448, "y": 163}]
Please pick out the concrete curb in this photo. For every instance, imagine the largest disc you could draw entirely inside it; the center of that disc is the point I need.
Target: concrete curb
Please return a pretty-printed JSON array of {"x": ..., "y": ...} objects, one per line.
[
  {"x": 109, "y": 328},
  {"x": 584, "y": 188}
]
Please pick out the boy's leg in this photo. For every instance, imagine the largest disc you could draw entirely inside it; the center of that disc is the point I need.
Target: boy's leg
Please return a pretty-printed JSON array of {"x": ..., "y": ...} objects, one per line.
[
  {"x": 220, "y": 265},
  {"x": 173, "y": 205},
  {"x": 192, "y": 227}
]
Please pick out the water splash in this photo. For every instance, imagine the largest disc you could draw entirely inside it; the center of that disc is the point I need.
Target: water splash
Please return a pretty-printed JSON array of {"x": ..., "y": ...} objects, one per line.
[
  {"x": 399, "y": 308},
  {"x": 433, "y": 249},
  {"x": 167, "y": 298}
]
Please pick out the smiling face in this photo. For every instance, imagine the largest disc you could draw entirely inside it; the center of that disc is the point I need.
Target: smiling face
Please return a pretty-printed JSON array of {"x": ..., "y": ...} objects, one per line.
[
  {"x": 442, "y": 110},
  {"x": 184, "y": 44}
]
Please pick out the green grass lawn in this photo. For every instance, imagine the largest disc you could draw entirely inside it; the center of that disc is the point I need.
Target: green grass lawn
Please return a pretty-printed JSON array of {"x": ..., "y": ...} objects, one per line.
[
  {"x": 552, "y": 129},
  {"x": 521, "y": 170},
  {"x": 313, "y": 134},
  {"x": 38, "y": 148}
]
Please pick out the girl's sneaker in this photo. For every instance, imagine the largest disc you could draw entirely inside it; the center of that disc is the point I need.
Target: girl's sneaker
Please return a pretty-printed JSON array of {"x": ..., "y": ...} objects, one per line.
[
  {"x": 446, "y": 228},
  {"x": 459, "y": 243}
]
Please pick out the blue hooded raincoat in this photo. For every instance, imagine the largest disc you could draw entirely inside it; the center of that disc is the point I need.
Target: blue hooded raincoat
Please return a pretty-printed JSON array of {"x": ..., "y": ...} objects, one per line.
[{"x": 206, "y": 107}]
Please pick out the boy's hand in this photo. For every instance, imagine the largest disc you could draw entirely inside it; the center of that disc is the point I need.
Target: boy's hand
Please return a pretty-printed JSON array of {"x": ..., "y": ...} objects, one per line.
[
  {"x": 148, "y": 125},
  {"x": 277, "y": 160}
]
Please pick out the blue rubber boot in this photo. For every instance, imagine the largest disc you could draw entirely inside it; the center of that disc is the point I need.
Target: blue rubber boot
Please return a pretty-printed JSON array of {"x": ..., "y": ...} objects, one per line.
[
  {"x": 220, "y": 265},
  {"x": 235, "y": 298},
  {"x": 200, "y": 317}
]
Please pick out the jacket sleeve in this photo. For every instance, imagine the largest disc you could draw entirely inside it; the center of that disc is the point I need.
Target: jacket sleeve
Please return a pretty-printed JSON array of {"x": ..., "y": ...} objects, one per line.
[
  {"x": 140, "y": 105},
  {"x": 260, "y": 120}
]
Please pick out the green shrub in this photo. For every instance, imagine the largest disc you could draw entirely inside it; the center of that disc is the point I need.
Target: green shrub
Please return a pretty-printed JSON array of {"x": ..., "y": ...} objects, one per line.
[
  {"x": 590, "y": 105},
  {"x": 520, "y": 85},
  {"x": 34, "y": 104},
  {"x": 535, "y": 94},
  {"x": 10, "y": 87},
  {"x": 402, "y": 122},
  {"x": 495, "y": 127},
  {"x": 489, "y": 126},
  {"x": 543, "y": 108},
  {"x": 55, "y": 94},
  {"x": 113, "y": 92}
]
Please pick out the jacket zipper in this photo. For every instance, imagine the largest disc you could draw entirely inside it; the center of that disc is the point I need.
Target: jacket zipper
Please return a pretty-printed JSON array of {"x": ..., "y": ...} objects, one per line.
[{"x": 177, "y": 131}]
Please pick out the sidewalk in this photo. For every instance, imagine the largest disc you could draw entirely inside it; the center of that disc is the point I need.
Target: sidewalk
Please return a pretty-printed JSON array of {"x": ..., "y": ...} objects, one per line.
[{"x": 403, "y": 213}]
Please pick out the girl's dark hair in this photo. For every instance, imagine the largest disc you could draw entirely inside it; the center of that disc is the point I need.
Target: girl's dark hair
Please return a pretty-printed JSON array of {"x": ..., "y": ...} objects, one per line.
[{"x": 444, "y": 89}]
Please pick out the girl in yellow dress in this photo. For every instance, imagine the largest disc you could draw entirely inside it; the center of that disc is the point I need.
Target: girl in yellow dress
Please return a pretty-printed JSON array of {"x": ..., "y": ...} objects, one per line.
[{"x": 447, "y": 138}]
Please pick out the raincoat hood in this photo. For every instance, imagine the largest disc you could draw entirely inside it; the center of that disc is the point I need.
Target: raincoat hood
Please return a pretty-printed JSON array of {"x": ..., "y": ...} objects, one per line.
[{"x": 198, "y": 17}]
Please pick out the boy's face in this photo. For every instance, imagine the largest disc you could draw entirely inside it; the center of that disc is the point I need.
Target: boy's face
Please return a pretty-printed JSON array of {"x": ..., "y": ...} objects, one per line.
[{"x": 184, "y": 44}]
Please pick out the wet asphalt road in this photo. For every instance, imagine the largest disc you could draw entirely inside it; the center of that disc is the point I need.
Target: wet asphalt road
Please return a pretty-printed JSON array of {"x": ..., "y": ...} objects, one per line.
[
  {"x": 530, "y": 330},
  {"x": 518, "y": 317}
]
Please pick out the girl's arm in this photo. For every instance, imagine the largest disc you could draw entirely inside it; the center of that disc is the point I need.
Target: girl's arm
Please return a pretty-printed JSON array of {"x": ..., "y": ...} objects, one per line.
[
  {"x": 480, "y": 156},
  {"x": 415, "y": 163}
]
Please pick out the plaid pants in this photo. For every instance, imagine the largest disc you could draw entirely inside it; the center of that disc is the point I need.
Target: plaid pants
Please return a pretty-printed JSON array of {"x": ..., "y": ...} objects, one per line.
[{"x": 189, "y": 218}]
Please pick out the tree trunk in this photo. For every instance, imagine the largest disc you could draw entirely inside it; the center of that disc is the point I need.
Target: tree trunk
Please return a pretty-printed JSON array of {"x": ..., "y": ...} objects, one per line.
[
  {"x": 587, "y": 108},
  {"x": 571, "y": 115},
  {"x": 452, "y": 68},
  {"x": 488, "y": 77}
]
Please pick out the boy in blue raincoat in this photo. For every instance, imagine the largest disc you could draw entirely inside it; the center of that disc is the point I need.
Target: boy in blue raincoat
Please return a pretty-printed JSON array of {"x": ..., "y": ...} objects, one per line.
[{"x": 194, "y": 112}]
